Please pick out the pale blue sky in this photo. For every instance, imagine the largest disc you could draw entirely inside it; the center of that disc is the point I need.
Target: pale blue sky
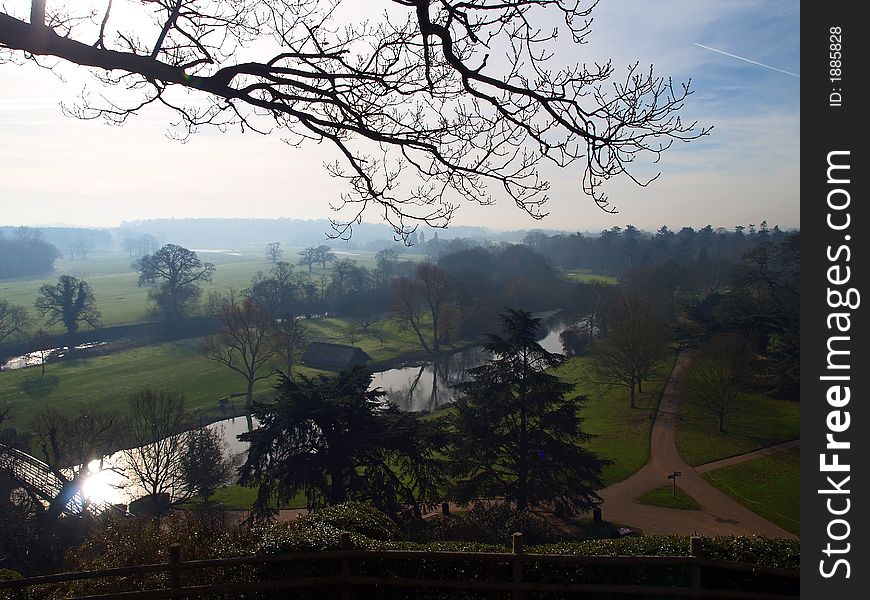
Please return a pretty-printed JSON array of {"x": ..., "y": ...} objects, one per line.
[{"x": 57, "y": 170}]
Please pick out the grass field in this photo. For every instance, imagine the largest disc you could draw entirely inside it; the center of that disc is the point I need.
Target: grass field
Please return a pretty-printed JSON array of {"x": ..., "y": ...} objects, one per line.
[
  {"x": 109, "y": 380},
  {"x": 769, "y": 486},
  {"x": 122, "y": 302},
  {"x": 664, "y": 497},
  {"x": 584, "y": 276},
  {"x": 757, "y": 421},
  {"x": 623, "y": 432}
]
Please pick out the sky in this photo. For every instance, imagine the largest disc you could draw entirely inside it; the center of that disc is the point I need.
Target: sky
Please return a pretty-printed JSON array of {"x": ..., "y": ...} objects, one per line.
[{"x": 57, "y": 170}]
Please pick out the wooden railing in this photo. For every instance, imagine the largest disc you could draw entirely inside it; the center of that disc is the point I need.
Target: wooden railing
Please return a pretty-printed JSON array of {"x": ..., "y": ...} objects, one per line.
[{"x": 345, "y": 583}]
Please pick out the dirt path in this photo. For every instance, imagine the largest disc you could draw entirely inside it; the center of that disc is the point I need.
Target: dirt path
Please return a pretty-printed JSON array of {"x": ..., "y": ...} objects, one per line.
[{"x": 719, "y": 514}]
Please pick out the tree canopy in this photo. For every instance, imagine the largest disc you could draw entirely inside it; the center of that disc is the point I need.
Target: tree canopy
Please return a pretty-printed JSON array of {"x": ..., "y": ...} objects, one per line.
[
  {"x": 70, "y": 301},
  {"x": 333, "y": 439},
  {"x": 177, "y": 272},
  {"x": 419, "y": 90}
]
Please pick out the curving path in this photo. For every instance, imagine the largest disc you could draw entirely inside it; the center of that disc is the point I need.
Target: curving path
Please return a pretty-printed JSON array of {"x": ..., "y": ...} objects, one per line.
[{"x": 719, "y": 514}]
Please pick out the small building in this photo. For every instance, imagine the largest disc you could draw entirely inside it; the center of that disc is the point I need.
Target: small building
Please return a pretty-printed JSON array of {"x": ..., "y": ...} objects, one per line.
[{"x": 333, "y": 357}]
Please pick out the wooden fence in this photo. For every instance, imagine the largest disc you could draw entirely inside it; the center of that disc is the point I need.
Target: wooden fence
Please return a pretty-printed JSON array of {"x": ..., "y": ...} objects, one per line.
[{"x": 344, "y": 583}]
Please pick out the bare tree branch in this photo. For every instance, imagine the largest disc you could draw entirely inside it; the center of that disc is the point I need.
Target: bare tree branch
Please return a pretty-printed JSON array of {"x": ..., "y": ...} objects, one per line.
[{"x": 438, "y": 102}]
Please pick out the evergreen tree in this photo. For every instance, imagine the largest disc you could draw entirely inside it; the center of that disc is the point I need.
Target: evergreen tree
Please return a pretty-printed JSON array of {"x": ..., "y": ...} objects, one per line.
[
  {"x": 516, "y": 430},
  {"x": 335, "y": 440}
]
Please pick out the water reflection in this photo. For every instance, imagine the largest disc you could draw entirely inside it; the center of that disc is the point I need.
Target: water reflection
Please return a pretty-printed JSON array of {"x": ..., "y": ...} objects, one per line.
[
  {"x": 41, "y": 356},
  {"x": 429, "y": 385},
  {"x": 426, "y": 386}
]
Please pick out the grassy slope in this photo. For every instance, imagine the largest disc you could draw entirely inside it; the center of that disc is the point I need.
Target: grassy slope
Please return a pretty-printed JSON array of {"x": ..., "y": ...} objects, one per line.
[
  {"x": 759, "y": 421},
  {"x": 768, "y": 486},
  {"x": 623, "y": 432},
  {"x": 664, "y": 496}
]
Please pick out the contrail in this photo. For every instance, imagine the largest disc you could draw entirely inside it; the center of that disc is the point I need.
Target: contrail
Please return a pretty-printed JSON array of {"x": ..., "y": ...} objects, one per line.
[{"x": 747, "y": 60}]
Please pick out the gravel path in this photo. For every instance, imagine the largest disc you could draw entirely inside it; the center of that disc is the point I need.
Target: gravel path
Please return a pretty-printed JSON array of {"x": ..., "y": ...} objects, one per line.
[{"x": 719, "y": 514}]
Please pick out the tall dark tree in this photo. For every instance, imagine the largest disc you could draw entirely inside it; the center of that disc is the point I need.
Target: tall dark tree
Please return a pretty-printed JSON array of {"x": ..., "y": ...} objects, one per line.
[
  {"x": 70, "y": 301},
  {"x": 419, "y": 86},
  {"x": 334, "y": 439},
  {"x": 178, "y": 273},
  {"x": 516, "y": 431}
]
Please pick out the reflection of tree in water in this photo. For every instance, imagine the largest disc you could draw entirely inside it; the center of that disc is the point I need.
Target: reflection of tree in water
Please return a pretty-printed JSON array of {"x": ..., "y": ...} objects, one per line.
[{"x": 430, "y": 385}]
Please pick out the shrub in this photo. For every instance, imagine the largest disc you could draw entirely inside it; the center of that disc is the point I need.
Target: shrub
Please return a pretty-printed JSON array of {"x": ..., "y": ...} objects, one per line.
[{"x": 494, "y": 524}]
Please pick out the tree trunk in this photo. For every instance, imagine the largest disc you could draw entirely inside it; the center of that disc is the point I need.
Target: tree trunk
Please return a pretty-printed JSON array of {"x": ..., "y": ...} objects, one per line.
[
  {"x": 639, "y": 382},
  {"x": 721, "y": 422},
  {"x": 249, "y": 395},
  {"x": 631, "y": 395}
]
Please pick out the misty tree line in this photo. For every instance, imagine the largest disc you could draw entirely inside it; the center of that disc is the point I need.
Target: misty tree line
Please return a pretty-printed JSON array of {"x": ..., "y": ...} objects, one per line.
[
  {"x": 25, "y": 253},
  {"x": 617, "y": 249}
]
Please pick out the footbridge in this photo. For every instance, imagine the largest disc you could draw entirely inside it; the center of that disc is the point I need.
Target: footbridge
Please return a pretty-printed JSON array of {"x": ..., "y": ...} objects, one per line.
[{"x": 37, "y": 478}]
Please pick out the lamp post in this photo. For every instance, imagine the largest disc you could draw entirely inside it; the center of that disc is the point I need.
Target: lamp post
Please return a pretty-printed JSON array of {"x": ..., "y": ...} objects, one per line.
[{"x": 674, "y": 476}]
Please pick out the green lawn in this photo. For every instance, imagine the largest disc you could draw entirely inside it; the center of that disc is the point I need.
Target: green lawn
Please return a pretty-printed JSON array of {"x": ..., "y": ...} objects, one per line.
[
  {"x": 769, "y": 486},
  {"x": 586, "y": 276},
  {"x": 757, "y": 421},
  {"x": 108, "y": 381},
  {"x": 122, "y": 302},
  {"x": 236, "y": 497},
  {"x": 664, "y": 497},
  {"x": 623, "y": 432}
]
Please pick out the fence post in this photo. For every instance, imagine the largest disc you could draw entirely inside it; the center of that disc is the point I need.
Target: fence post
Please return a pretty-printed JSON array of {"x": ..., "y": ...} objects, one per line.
[
  {"x": 174, "y": 572},
  {"x": 695, "y": 551},
  {"x": 346, "y": 544},
  {"x": 517, "y": 539}
]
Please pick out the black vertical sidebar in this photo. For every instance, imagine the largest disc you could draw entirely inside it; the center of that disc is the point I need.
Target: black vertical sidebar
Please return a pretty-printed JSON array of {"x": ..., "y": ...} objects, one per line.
[{"x": 835, "y": 224}]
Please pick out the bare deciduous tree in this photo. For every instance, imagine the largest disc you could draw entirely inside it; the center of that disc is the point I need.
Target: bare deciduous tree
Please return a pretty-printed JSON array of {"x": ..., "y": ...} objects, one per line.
[
  {"x": 178, "y": 271},
  {"x": 635, "y": 346},
  {"x": 243, "y": 343},
  {"x": 69, "y": 443},
  {"x": 719, "y": 375},
  {"x": 308, "y": 256},
  {"x": 289, "y": 338},
  {"x": 155, "y": 427},
  {"x": 14, "y": 321},
  {"x": 274, "y": 252},
  {"x": 418, "y": 90}
]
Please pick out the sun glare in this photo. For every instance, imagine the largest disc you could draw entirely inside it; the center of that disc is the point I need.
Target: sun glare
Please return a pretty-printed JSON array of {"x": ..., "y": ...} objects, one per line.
[{"x": 101, "y": 485}]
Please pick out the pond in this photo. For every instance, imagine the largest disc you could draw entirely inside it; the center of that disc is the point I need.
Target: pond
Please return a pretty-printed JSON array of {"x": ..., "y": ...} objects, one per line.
[
  {"x": 420, "y": 387},
  {"x": 426, "y": 386}
]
